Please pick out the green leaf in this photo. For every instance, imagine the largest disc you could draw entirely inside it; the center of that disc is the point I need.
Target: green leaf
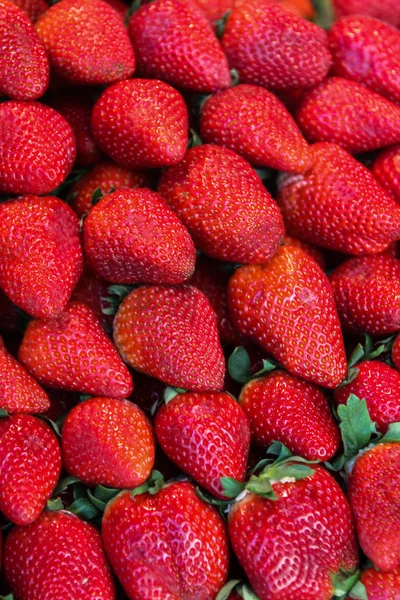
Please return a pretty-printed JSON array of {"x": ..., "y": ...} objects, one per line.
[
  {"x": 105, "y": 494},
  {"x": 392, "y": 434},
  {"x": 359, "y": 592},
  {"x": 285, "y": 469},
  {"x": 368, "y": 344},
  {"x": 194, "y": 139},
  {"x": 3, "y": 413},
  {"x": 234, "y": 78},
  {"x": 209, "y": 499},
  {"x": 64, "y": 483},
  {"x": 356, "y": 425},
  {"x": 84, "y": 397},
  {"x": 171, "y": 392},
  {"x": 239, "y": 365},
  {"x": 83, "y": 508},
  {"x": 266, "y": 368},
  {"x": 246, "y": 592},
  {"x": 120, "y": 290},
  {"x": 227, "y": 589},
  {"x": 52, "y": 424},
  {"x": 262, "y": 487},
  {"x": 79, "y": 490},
  {"x": 8, "y": 597},
  {"x": 325, "y": 16},
  {"x": 279, "y": 450},
  {"x": 99, "y": 504},
  {"x": 96, "y": 196},
  {"x": 153, "y": 485},
  {"x": 356, "y": 355},
  {"x": 232, "y": 488},
  {"x": 54, "y": 504},
  {"x": 343, "y": 583}
]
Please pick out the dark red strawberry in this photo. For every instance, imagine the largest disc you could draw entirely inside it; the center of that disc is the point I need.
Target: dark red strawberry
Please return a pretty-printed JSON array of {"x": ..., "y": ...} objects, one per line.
[
  {"x": 120, "y": 7},
  {"x": 316, "y": 253},
  {"x": 376, "y": 585},
  {"x": 386, "y": 170},
  {"x": 33, "y": 8},
  {"x": 385, "y": 10}
]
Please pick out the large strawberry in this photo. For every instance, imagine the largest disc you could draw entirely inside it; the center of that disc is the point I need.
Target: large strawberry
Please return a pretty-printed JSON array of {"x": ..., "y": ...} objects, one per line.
[
  {"x": 58, "y": 556},
  {"x": 386, "y": 170},
  {"x": 171, "y": 333},
  {"x": 224, "y": 205},
  {"x": 41, "y": 256},
  {"x": 33, "y": 8},
  {"x": 170, "y": 545},
  {"x": 287, "y": 307},
  {"x": 385, "y": 10},
  {"x": 37, "y": 148}
]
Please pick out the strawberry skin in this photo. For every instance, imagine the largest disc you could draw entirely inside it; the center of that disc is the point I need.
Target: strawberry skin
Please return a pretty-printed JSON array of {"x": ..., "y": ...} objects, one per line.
[
  {"x": 93, "y": 291},
  {"x": 274, "y": 48},
  {"x": 380, "y": 586},
  {"x": 30, "y": 465},
  {"x": 41, "y": 256},
  {"x": 153, "y": 135},
  {"x": 215, "y": 9},
  {"x": 132, "y": 236},
  {"x": 212, "y": 182},
  {"x": 174, "y": 42},
  {"x": 33, "y": 8},
  {"x": 255, "y": 124},
  {"x": 287, "y": 307},
  {"x": 170, "y": 545},
  {"x": 72, "y": 352},
  {"x": 207, "y": 436},
  {"x": 338, "y": 204},
  {"x": 385, "y": 10},
  {"x": 386, "y": 170},
  {"x": 316, "y": 253},
  {"x": 171, "y": 333},
  {"x": 58, "y": 556}
]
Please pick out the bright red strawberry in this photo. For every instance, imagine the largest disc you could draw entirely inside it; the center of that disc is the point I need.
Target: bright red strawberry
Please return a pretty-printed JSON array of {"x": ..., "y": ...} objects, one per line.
[
  {"x": 33, "y": 8},
  {"x": 86, "y": 42},
  {"x": 170, "y": 545},
  {"x": 377, "y": 585},
  {"x": 155, "y": 134},
  {"x": 174, "y": 42},
  {"x": 30, "y": 465},
  {"x": 255, "y": 124},
  {"x": 396, "y": 352},
  {"x": 132, "y": 236},
  {"x": 287, "y": 307},
  {"x": 57, "y": 556},
  {"x": 386, "y": 170},
  {"x": 274, "y": 48},
  {"x": 385, "y": 10},
  {"x": 41, "y": 256},
  {"x": 171, "y": 333},
  {"x": 72, "y": 352},
  {"x": 207, "y": 435},
  {"x": 215, "y": 9},
  {"x": 316, "y": 253},
  {"x": 37, "y": 148},
  {"x": 338, "y": 204}
]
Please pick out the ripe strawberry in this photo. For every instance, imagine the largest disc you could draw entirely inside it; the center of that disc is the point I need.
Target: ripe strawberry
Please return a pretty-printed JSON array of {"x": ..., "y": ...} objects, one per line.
[
  {"x": 33, "y": 8},
  {"x": 174, "y": 42},
  {"x": 30, "y": 465},
  {"x": 72, "y": 352},
  {"x": 377, "y": 585},
  {"x": 170, "y": 545},
  {"x": 57, "y": 556},
  {"x": 155, "y": 134},
  {"x": 287, "y": 307},
  {"x": 338, "y": 204},
  {"x": 171, "y": 333},
  {"x": 315, "y": 253},
  {"x": 207, "y": 436},
  {"x": 302, "y": 8},
  {"x": 215, "y": 9},
  {"x": 385, "y": 10},
  {"x": 40, "y": 253},
  {"x": 211, "y": 182},
  {"x": 132, "y": 236},
  {"x": 93, "y": 291},
  {"x": 86, "y": 42},
  {"x": 386, "y": 170},
  {"x": 255, "y": 124},
  {"x": 37, "y": 148},
  {"x": 274, "y": 48}
]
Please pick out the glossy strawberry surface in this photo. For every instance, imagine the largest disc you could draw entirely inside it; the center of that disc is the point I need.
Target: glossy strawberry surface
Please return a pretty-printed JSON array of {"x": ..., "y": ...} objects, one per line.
[
  {"x": 386, "y": 170},
  {"x": 316, "y": 253},
  {"x": 385, "y": 10}
]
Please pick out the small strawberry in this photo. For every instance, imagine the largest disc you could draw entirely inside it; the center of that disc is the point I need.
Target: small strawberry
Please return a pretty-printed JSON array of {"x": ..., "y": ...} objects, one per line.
[
  {"x": 255, "y": 124},
  {"x": 376, "y": 585},
  {"x": 72, "y": 352},
  {"x": 33, "y": 8},
  {"x": 385, "y": 10},
  {"x": 316, "y": 253},
  {"x": 386, "y": 170},
  {"x": 58, "y": 556},
  {"x": 174, "y": 42},
  {"x": 171, "y": 333}
]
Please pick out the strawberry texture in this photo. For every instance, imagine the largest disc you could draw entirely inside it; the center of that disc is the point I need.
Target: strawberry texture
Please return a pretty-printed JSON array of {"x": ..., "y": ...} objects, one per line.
[
  {"x": 386, "y": 170},
  {"x": 385, "y": 10},
  {"x": 33, "y": 8}
]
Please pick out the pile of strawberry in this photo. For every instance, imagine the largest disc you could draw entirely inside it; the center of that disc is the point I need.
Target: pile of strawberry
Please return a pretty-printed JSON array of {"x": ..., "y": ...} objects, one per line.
[{"x": 200, "y": 300}]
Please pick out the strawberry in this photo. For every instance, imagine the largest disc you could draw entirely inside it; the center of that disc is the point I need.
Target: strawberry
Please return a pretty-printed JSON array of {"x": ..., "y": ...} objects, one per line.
[
  {"x": 72, "y": 352},
  {"x": 37, "y": 148},
  {"x": 30, "y": 465},
  {"x": 40, "y": 253},
  {"x": 174, "y": 42},
  {"x": 86, "y": 42},
  {"x": 348, "y": 114},
  {"x": 274, "y": 48},
  {"x": 24, "y": 68},
  {"x": 215, "y": 9},
  {"x": 57, "y": 556},
  {"x": 396, "y": 352},
  {"x": 155, "y": 134},
  {"x": 376, "y": 585},
  {"x": 386, "y": 170},
  {"x": 171, "y": 333},
  {"x": 120, "y": 7},
  {"x": 33, "y": 8},
  {"x": 302, "y": 8},
  {"x": 207, "y": 435},
  {"x": 170, "y": 545},
  {"x": 287, "y": 307},
  {"x": 132, "y": 236},
  {"x": 315, "y": 253},
  {"x": 93, "y": 291},
  {"x": 338, "y": 204},
  {"x": 255, "y": 124},
  {"x": 385, "y": 10},
  {"x": 108, "y": 442}
]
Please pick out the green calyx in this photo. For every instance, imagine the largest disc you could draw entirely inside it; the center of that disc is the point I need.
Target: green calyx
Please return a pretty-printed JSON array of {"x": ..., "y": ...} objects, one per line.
[
  {"x": 358, "y": 592},
  {"x": 171, "y": 392},
  {"x": 8, "y": 597},
  {"x": 220, "y": 24},
  {"x": 325, "y": 14},
  {"x": 366, "y": 351},
  {"x": 86, "y": 504},
  {"x": 241, "y": 588},
  {"x": 343, "y": 583},
  {"x": 3, "y": 413},
  {"x": 153, "y": 485},
  {"x": 117, "y": 293},
  {"x": 239, "y": 366}
]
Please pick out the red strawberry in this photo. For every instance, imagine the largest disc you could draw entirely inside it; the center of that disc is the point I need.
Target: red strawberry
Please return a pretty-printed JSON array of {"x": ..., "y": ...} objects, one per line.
[
  {"x": 396, "y": 352},
  {"x": 338, "y": 204},
  {"x": 171, "y": 333},
  {"x": 386, "y": 10},
  {"x": 155, "y": 134},
  {"x": 287, "y": 307},
  {"x": 24, "y": 68},
  {"x": 57, "y": 556},
  {"x": 315, "y": 253},
  {"x": 386, "y": 170},
  {"x": 207, "y": 435},
  {"x": 272, "y": 47},
  {"x": 72, "y": 352},
  {"x": 170, "y": 545},
  {"x": 255, "y": 124},
  {"x": 174, "y": 42},
  {"x": 132, "y": 236},
  {"x": 30, "y": 465},
  {"x": 215, "y": 9},
  {"x": 108, "y": 442},
  {"x": 40, "y": 253},
  {"x": 120, "y": 7},
  {"x": 86, "y": 42},
  {"x": 37, "y": 148},
  {"x": 33, "y": 8},
  {"x": 93, "y": 291},
  {"x": 377, "y": 585},
  {"x": 282, "y": 408},
  {"x": 348, "y": 114}
]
